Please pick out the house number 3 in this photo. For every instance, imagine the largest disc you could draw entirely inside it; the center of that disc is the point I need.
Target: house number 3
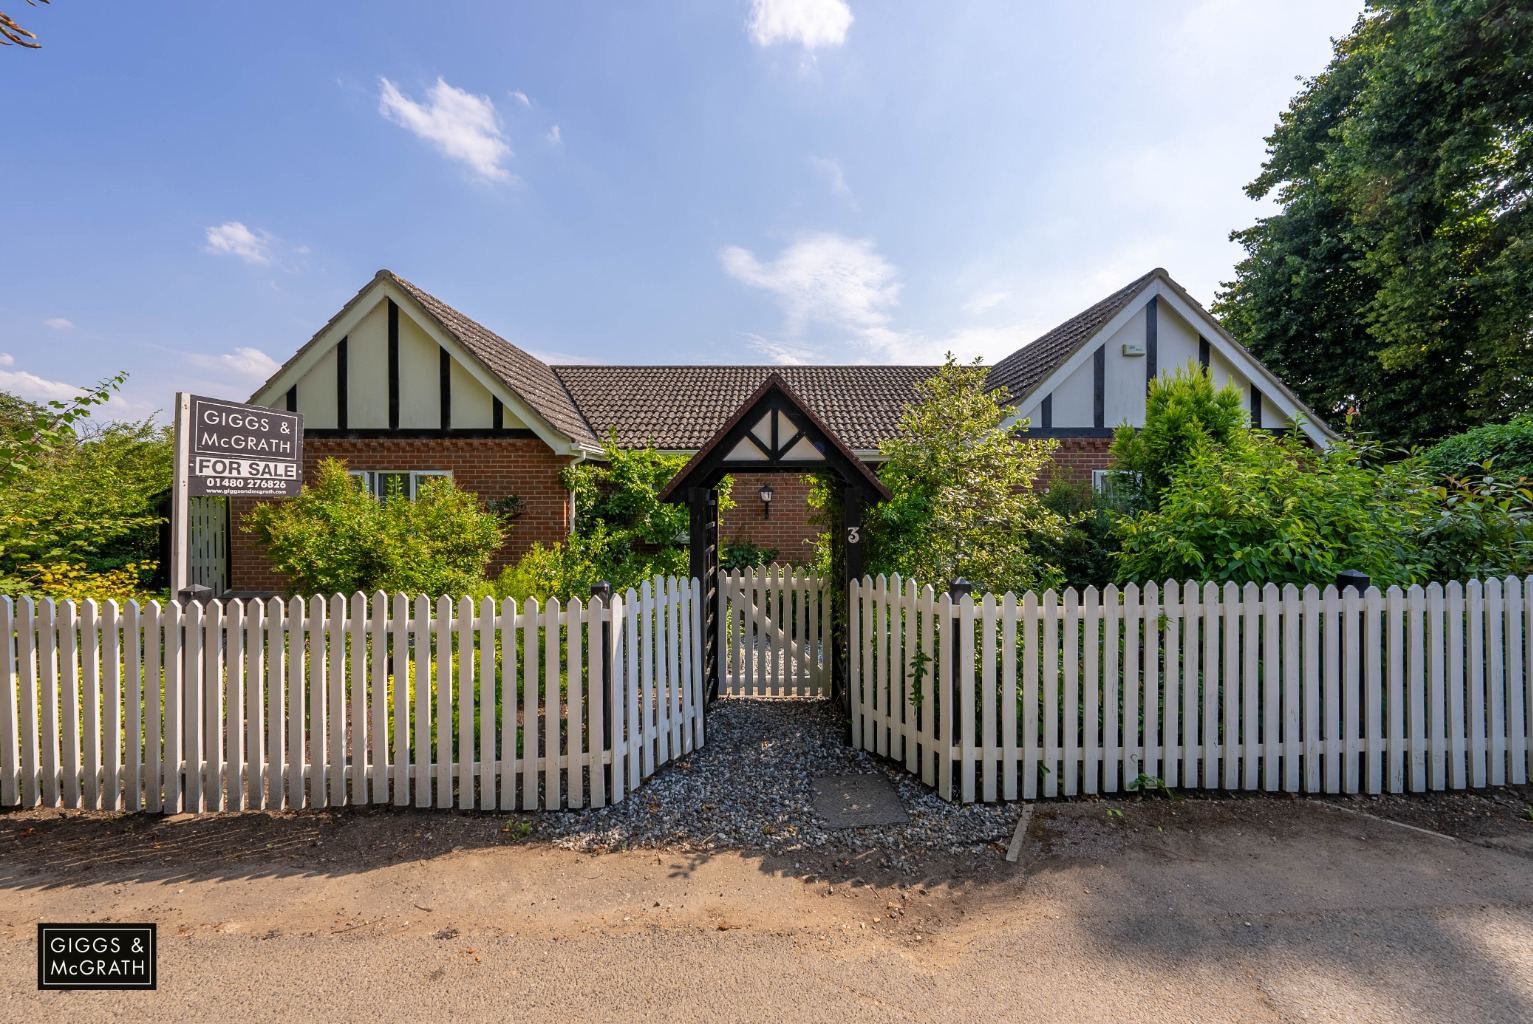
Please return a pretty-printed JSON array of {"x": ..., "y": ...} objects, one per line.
[{"x": 852, "y": 535}]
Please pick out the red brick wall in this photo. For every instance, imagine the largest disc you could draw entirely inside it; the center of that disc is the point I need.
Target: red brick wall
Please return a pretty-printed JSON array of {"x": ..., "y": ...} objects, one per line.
[
  {"x": 490, "y": 467},
  {"x": 788, "y": 531},
  {"x": 1076, "y": 457}
]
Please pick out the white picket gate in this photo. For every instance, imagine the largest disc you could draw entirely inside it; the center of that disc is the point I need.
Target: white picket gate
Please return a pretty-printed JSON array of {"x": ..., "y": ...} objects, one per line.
[
  {"x": 774, "y": 632},
  {"x": 1197, "y": 686},
  {"x": 339, "y": 700}
]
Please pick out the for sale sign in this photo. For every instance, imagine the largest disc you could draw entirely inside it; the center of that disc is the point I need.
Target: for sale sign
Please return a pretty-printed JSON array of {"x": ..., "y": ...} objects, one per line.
[{"x": 243, "y": 450}]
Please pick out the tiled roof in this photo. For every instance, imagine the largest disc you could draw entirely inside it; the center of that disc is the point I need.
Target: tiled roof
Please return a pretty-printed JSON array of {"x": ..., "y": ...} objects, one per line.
[
  {"x": 681, "y": 407},
  {"x": 530, "y": 377},
  {"x": 1032, "y": 362}
]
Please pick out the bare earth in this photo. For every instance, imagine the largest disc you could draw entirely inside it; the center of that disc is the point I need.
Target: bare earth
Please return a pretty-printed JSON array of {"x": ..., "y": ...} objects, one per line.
[{"x": 1196, "y": 910}]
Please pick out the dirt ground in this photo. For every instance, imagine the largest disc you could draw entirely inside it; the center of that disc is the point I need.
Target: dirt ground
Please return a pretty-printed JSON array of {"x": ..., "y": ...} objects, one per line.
[{"x": 1155, "y": 909}]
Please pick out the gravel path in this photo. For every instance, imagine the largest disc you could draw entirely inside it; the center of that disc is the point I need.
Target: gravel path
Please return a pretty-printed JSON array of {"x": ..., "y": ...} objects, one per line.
[{"x": 750, "y": 788}]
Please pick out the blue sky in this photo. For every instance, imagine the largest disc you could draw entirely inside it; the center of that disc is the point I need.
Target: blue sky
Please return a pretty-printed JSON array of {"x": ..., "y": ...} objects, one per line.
[{"x": 192, "y": 189}]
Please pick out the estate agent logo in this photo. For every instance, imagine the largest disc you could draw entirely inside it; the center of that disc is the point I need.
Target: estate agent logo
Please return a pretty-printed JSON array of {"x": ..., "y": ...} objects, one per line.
[{"x": 96, "y": 956}]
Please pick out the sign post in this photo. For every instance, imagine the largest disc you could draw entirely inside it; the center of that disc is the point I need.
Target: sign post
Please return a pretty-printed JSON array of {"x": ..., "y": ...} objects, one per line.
[{"x": 228, "y": 449}]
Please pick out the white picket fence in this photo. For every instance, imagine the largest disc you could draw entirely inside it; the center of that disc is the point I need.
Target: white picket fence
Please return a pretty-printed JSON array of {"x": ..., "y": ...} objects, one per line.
[
  {"x": 775, "y": 632},
  {"x": 330, "y": 701},
  {"x": 1197, "y": 686}
]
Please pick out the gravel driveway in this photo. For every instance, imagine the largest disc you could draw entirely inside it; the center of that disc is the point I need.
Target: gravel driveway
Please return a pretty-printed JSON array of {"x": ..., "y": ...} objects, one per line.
[{"x": 750, "y": 788}]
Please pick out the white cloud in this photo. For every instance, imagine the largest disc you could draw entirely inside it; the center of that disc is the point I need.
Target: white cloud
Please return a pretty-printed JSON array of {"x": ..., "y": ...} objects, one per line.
[
  {"x": 984, "y": 301},
  {"x": 834, "y": 177},
  {"x": 554, "y": 138},
  {"x": 234, "y": 239},
  {"x": 458, "y": 123},
  {"x": 521, "y": 98},
  {"x": 34, "y": 388},
  {"x": 810, "y": 23},
  {"x": 823, "y": 279},
  {"x": 780, "y": 353},
  {"x": 58, "y": 323},
  {"x": 845, "y": 294},
  {"x": 244, "y": 363}
]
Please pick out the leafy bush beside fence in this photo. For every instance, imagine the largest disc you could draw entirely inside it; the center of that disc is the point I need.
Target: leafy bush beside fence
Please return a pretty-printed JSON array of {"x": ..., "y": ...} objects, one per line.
[{"x": 1279, "y": 689}]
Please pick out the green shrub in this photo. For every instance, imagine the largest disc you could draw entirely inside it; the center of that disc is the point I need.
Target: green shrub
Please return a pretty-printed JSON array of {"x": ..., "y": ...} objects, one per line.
[
  {"x": 334, "y": 537},
  {"x": 745, "y": 555},
  {"x": 569, "y": 569},
  {"x": 623, "y": 534},
  {"x": 1277, "y": 511},
  {"x": 1479, "y": 528},
  {"x": 1507, "y": 446},
  {"x": 1184, "y": 414},
  {"x": 80, "y": 504},
  {"x": 1083, "y": 551},
  {"x": 618, "y": 497},
  {"x": 963, "y": 498},
  {"x": 1274, "y": 510}
]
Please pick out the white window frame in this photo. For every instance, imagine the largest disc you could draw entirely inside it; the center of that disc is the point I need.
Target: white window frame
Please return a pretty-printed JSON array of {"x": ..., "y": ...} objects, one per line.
[
  {"x": 372, "y": 479},
  {"x": 1100, "y": 477}
]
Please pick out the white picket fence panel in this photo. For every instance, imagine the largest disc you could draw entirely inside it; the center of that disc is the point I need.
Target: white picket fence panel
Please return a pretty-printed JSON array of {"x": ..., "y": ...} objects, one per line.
[
  {"x": 347, "y": 700},
  {"x": 1199, "y": 686},
  {"x": 774, "y": 633}
]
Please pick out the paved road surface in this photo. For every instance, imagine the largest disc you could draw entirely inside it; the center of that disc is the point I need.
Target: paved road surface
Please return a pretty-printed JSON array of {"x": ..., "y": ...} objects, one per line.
[{"x": 1198, "y": 911}]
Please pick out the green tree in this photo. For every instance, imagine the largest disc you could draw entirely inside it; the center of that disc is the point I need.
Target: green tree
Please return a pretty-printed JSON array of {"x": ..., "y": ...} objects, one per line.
[
  {"x": 1397, "y": 280},
  {"x": 82, "y": 505},
  {"x": 334, "y": 537},
  {"x": 963, "y": 503},
  {"x": 31, "y": 433},
  {"x": 79, "y": 501},
  {"x": 623, "y": 534},
  {"x": 1184, "y": 415},
  {"x": 618, "y": 495}
]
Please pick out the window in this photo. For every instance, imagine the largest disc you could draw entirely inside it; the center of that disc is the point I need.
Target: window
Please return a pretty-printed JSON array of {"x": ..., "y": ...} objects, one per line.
[
  {"x": 1104, "y": 481},
  {"x": 383, "y": 482}
]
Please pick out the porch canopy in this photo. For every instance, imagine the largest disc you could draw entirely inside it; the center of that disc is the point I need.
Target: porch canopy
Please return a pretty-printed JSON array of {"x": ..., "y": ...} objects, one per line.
[{"x": 773, "y": 431}]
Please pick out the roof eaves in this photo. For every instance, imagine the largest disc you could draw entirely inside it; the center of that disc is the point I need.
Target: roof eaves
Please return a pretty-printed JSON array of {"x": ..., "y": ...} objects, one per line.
[
  {"x": 340, "y": 315},
  {"x": 1226, "y": 336},
  {"x": 419, "y": 297}
]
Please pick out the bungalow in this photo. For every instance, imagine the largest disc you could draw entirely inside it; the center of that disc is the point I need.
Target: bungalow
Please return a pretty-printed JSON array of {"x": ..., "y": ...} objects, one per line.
[{"x": 403, "y": 387}]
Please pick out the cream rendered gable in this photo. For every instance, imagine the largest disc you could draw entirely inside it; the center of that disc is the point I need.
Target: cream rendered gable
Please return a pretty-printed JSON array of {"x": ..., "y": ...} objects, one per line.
[
  {"x": 1179, "y": 327},
  {"x": 313, "y": 371}
]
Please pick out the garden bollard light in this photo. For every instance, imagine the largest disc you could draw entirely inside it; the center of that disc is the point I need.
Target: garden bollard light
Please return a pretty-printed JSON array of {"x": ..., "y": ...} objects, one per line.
[{"x": 1360, "y": 581}]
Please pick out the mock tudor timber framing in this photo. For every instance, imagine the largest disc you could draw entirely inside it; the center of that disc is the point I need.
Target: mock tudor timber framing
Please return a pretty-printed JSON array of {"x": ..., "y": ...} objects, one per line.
[
  {"x": 772, "y": 432},
  {"x": 282, "y": 389}
]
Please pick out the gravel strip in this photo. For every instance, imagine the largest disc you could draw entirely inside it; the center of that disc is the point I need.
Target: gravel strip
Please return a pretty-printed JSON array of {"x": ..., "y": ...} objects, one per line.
[{"x": 749, "y": 788}]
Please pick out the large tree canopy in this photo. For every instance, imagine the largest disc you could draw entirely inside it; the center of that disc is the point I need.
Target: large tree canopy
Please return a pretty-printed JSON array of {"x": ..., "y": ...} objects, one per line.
[{"x": 1397, "y": 281}]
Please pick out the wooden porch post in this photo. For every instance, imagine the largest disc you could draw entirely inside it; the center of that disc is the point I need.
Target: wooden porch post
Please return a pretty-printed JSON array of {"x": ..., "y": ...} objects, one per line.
[{"x": 703, "y": 546}]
